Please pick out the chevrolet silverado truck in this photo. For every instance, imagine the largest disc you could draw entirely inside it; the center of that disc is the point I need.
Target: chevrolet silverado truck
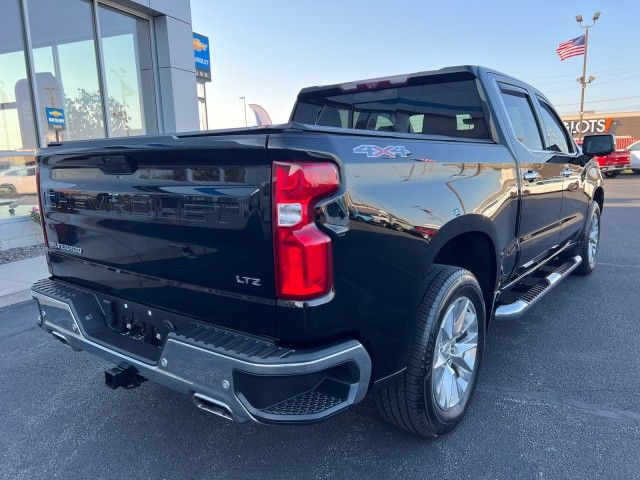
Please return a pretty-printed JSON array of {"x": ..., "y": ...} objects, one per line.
[{"x": 282, "y": 274}]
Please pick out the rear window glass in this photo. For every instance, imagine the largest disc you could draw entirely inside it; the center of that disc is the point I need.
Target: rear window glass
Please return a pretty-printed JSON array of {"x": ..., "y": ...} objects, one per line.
[{"x": 450, "y": 107}]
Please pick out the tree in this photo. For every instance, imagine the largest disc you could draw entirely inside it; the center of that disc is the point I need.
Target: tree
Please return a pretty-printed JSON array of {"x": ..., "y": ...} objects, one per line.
[{"x": 84, "y": 116}]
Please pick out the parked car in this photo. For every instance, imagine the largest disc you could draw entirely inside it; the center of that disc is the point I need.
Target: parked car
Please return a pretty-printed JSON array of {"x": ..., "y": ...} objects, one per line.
[
  {"x": 263, "y": 293},
  {"x": 611, "y": 165},
  {"x": 634, "y": 153},
  {"x": 18, "y": 180}
]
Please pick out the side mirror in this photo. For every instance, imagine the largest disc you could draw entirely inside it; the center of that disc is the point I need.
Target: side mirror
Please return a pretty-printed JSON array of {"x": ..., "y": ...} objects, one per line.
[{"x": 593, "y": 145}]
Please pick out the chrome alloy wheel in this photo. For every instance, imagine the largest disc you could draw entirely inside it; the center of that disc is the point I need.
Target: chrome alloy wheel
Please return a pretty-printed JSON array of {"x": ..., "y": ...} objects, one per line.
[
  {"x": 594, "y": 238},
  {"x": 454, "y": 358}
]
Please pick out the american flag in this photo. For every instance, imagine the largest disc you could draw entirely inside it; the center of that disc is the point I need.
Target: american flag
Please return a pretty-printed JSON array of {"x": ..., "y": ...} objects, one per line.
[
  {"x": 262, "y": 117},
  {"x": 571, "y": 48}
]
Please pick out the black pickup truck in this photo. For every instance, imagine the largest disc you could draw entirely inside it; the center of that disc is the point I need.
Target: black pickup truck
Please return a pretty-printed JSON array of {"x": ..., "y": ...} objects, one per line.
[{"x": 281, "y": 274}]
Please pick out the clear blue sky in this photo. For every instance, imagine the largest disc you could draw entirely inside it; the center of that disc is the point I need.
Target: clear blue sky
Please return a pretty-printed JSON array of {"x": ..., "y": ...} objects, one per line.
[{"x": 268, "y": 50}]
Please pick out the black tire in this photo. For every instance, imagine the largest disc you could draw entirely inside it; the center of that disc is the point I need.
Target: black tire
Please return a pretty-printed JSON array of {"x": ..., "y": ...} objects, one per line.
[
  {"x": 408, "y": 401},
  {"x": 636, "y": 171},
  {"x": 613, "y": 174},
  {"x": 588, "y": 264}
]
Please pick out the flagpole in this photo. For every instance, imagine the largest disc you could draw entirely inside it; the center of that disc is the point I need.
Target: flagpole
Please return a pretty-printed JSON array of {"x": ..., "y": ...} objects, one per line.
[{"x": 583, "y": 80}]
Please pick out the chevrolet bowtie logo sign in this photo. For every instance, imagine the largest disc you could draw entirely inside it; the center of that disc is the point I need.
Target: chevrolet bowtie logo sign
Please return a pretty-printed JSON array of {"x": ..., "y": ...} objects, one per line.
[
  {"x": 201, "y": 56},
  {"x": 55, "y": 118},
  {"x": 199, "y": 45}
]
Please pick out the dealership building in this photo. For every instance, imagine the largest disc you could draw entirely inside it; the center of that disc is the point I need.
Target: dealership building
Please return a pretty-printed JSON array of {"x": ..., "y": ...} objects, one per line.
[
  {"x": 92, "y": 69},
  {"x": 624, "y": 125}
]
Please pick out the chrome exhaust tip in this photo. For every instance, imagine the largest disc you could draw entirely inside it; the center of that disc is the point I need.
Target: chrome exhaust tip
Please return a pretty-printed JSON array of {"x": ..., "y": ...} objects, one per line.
[
  {"x": 60, "y": 337},
  {"x": 210, "y": 405}
]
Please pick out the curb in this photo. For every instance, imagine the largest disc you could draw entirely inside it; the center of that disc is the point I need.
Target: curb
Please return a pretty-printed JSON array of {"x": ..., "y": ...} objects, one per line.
[{"x": 13, "y": 298}]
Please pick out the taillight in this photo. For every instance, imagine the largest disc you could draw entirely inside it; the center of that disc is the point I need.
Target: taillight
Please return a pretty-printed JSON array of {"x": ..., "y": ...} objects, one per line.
[
  {"x": 40, "y": 206},
  {"x": 302, "y": 253}
]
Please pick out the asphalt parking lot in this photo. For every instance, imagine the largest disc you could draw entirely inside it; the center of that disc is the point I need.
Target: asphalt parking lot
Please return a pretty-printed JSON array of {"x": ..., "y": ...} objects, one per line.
[{"x": 559, "y": 397}]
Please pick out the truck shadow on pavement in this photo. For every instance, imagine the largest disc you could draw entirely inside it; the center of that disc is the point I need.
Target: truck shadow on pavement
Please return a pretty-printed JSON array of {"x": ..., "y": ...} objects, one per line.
[{"x": 357, "y": 439}]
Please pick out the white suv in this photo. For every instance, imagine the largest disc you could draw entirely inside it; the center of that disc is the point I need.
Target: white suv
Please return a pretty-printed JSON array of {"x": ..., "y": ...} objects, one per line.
[{"x": 634, "y": 149}]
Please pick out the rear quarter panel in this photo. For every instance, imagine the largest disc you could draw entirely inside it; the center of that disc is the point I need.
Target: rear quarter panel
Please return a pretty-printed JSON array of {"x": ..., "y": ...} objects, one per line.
[{"x": 388, "y": 221}]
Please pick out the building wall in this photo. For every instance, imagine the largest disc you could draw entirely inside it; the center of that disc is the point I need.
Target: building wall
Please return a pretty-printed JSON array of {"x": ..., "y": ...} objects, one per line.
[
  {"x": 176, "y": 66},
  {"x": 620, "y": 124}
]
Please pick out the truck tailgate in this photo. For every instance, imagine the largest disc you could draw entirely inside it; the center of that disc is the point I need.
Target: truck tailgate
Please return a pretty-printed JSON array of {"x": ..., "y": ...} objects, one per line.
[{"x": 182, "y": 224}]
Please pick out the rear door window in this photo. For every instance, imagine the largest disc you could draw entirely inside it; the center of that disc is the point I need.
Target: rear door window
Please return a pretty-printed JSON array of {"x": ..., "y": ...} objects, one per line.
[{"x": 523, "y": 120}]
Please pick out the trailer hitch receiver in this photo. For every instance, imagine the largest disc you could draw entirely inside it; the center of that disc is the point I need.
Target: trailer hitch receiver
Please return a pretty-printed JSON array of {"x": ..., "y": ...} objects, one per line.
[{"x": 124, "y": 376}]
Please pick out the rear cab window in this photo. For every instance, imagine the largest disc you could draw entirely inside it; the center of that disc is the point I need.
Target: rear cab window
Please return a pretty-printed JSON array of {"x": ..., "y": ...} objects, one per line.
[{"x": 447, "y": 104}]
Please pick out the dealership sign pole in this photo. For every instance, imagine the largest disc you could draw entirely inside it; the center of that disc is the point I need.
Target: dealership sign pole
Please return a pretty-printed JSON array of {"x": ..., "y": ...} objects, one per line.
[{"x": 244, "y": 107}]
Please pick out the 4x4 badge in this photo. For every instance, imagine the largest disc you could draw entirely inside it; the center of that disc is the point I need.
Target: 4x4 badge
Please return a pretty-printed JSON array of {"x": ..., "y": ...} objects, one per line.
[{"x": 391, "y": 151}]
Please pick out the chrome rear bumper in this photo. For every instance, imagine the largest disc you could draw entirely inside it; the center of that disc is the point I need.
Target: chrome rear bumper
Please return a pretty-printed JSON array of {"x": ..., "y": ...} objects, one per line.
[{"x": 272, "y": 385}]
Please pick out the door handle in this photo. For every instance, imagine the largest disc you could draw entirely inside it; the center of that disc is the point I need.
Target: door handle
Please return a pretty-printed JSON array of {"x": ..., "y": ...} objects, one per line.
[
  {"x": 530, "y": 176},
  {"x": 566, "y": 172}
]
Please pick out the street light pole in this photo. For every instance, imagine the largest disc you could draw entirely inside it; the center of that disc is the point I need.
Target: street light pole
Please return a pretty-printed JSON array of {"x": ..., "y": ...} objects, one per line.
[
  {"x": 244, "y": 104},
  {"x": 583, "y": 80}
]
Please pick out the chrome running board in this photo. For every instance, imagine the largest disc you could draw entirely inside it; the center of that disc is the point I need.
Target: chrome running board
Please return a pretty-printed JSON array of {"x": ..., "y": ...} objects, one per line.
[{"x": 536, "y": 291}]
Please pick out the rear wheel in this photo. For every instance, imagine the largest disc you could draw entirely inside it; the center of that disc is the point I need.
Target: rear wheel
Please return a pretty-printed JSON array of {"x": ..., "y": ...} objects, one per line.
[
  {"x": 636, "y": 171},
  {"x": 590, "y": 242},
  {"x": 431, "y": 396},
  {"x": 612, "y": 174}
]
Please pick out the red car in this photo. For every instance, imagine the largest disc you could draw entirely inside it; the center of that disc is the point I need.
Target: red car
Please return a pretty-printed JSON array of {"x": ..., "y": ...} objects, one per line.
[{"x": 611, "y": 165}]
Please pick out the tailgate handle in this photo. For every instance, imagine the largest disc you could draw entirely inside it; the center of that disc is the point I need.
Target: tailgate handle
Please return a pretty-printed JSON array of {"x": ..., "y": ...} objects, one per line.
[{"x": 118, "y": 164}]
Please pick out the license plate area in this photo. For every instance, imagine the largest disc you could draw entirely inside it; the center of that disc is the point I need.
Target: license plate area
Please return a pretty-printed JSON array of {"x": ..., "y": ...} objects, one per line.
[{"x": 137, "y": 322}]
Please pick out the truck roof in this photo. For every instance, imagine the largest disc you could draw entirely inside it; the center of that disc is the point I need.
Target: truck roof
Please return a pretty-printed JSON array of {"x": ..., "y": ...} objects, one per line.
[{"x": 475, "y": 70}]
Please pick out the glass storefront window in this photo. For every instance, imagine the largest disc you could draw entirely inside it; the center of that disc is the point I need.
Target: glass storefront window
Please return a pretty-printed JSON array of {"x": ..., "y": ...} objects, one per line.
[
  {"x": 59, "y": 90},
  {"x": 128, "y": 69},
  {"x": 17, "y": 129},
  {"x": 64, "y": 57}
]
